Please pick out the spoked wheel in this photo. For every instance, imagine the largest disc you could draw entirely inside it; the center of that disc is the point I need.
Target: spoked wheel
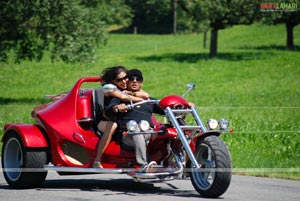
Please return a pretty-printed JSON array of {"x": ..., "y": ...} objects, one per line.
[
  {"x": 22, "y": 168},
  {"x": 214, "y": 176}
]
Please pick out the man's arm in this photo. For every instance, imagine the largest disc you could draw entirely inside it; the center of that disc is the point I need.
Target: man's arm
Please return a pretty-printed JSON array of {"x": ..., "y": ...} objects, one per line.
[
  {"x": 109, "y": 109},
  {"x": 120, "y": 108},
  {"x": 157, "y": 109}
]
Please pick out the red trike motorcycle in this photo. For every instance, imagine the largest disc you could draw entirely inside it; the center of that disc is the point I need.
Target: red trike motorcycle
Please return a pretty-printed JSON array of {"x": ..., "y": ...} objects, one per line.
[{"x": 65, "y": 137}]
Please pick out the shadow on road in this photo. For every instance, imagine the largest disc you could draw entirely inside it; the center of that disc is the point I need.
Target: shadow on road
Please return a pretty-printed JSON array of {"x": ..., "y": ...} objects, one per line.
[{"x": 113, "y": 187}]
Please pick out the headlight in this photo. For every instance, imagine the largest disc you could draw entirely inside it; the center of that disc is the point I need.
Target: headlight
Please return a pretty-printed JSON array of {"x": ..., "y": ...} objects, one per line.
[
  {"x": 144, "y": 125},
  {"x": 132, "y": 126},
  {"x": 212, "y": 124},
  {"x": 224, "y": 124}
]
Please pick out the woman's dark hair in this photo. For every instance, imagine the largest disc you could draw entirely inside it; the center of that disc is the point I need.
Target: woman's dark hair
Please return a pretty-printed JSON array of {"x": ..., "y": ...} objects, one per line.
[{"x": 110, "y": 73}]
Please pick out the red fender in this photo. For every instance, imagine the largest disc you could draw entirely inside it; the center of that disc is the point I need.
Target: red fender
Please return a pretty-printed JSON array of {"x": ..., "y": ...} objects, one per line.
[{"x": 30, "y": 134}]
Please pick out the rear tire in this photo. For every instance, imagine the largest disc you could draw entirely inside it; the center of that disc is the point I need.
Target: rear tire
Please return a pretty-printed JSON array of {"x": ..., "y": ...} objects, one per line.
[
  {"x": 214, "y": 176},
  {"x": 22, "y": 167}
]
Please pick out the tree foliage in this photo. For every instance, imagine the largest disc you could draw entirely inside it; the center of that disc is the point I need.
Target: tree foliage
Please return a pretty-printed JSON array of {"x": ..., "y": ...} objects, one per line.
[
  {"x": 214, "y": 15},
  {"x": 70, "y": 29},
  {"x": 151, "y": 16},
  {"x": 284, "y": 12}
]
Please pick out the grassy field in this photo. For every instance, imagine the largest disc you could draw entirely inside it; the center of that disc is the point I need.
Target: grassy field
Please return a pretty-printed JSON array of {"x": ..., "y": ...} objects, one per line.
[{"x": 254, "y": 82}]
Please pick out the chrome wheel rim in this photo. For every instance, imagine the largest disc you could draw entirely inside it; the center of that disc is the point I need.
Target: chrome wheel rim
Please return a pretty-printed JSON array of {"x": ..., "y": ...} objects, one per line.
[
  {"x": 206, "y": 174},
  {"x": 13, "y": 159}
]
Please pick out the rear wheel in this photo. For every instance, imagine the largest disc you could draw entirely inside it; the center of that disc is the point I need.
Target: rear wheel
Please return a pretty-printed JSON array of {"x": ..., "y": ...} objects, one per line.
[
  {"x": 214, "y": 176},
  {"x": 22, "y": 167}
]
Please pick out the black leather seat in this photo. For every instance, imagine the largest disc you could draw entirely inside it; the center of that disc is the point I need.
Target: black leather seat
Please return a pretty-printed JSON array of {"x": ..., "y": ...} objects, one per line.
[{"x": 98, "y": 106}]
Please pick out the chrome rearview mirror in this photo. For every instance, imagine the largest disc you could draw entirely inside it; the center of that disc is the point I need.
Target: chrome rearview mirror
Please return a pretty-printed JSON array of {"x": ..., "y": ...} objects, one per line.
[
  {"x": 190, "y": 86},
  {"x": 109, "y": 88}
]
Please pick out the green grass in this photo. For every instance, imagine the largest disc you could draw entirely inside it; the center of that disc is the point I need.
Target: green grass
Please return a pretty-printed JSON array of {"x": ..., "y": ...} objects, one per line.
[{"x": 254, "y": 82}]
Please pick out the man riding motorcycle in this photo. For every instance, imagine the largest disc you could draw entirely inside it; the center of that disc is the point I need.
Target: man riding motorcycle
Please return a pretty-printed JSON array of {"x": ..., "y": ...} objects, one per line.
[{"x": 142, "y": 113}]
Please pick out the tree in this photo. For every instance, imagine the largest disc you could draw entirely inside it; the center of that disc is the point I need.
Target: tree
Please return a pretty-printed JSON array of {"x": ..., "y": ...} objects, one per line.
[
  {"x": 151, "y": 16},
  {"x": 219, "y": 14},
  {"x": 283, "y": 12},
  {"x": 70, "y": 29}
]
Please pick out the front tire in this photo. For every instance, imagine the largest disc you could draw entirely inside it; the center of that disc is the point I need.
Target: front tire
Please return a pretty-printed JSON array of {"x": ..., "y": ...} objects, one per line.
[
  {"x": 214, "y": 176},
  {"x": 22, "y": 167}
]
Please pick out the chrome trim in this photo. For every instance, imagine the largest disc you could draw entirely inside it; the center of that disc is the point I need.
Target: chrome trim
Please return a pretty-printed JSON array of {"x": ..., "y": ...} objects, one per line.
[
  {"x": 181, "y": 135},
  {"x": 159, "y": 176},
  {"x": 181, "y": 110},
  {"x": 198, "y": 119},
  {"x": 187, "y": 127},
  {"x": 85, "y": 120},
  {"x": 131, "y": 106},
  {"x": 83, "y": 170}
]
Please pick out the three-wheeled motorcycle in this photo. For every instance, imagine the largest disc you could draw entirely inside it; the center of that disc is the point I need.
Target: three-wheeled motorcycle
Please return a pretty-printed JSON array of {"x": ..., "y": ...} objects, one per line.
[{"x": 65, "y": 138}]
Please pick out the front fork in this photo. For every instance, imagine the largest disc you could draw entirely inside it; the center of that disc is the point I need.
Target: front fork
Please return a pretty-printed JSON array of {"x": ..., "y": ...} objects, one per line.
[{"x": 170, "y": 113}]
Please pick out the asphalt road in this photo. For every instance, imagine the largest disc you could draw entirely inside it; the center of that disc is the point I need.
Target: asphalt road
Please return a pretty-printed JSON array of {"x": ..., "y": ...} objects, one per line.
[{"x": 122, "y": 187}]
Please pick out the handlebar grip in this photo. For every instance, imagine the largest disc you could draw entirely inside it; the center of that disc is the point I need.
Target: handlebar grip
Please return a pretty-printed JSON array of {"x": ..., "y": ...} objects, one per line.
[{"x": 128, "y": 107}]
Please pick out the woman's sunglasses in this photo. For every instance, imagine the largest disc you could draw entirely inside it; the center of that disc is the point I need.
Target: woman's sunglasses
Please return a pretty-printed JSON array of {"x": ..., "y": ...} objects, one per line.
[{"x": 122, "y": 78}]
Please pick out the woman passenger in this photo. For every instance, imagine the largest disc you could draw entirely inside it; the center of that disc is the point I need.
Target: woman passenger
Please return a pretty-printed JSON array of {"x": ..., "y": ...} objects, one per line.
[{"x": 117, "y": 76}]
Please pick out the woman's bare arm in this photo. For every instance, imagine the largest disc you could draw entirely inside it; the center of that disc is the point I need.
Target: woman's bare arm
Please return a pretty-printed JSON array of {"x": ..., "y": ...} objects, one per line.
[
  {"x": 141, "y": 94},
  {"x": 122, "y": 96}
]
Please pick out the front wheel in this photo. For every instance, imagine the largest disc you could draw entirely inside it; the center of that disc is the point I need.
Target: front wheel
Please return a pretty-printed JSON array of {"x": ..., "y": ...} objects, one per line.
[
  {"x": 214, "y": 176},
  {"x": 22, "y": 167}
]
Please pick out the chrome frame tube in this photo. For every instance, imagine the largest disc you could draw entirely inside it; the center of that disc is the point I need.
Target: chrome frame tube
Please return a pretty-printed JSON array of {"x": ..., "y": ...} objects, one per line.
[
  {"x": 132, "y": 105},
  {"x": 182, "y": 137},
  {"x": 198, "y": 119}
]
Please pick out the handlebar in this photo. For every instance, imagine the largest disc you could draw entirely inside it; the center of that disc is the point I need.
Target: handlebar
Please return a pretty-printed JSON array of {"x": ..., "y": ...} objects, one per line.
[{"x": 130, "y": 106}]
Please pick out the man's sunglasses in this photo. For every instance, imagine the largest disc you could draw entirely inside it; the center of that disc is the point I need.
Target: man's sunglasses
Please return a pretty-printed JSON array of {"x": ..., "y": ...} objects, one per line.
[
  {"x": 138, "y": 79},
  {"x": 121, "y": 79}
]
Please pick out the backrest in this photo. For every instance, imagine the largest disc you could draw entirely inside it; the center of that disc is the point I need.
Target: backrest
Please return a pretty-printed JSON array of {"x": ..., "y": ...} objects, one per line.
[{"x": 98, "y": 105}]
